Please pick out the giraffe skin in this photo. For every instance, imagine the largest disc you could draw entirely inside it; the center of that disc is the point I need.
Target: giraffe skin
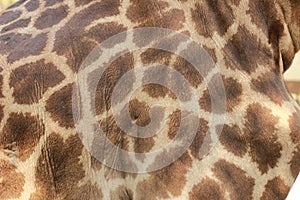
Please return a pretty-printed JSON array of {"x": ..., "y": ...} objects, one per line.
[{"x": 42, "y": 46}]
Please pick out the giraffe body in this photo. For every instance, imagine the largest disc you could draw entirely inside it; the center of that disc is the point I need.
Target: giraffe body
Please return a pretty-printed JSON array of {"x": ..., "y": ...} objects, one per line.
[{"x": 44, "y": 43}]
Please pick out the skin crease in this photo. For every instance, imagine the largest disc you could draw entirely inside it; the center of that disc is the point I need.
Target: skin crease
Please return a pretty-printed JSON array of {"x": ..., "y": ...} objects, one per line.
[{"x": 42, "y": 47}]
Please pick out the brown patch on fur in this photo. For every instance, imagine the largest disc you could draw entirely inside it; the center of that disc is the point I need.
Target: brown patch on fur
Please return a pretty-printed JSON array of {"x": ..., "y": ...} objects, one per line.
[
  {"x": 17, "y": 24},
  {"x": 12, "y": 182},
  {"x": 51, "y": 17},
  {"x": 82, "y": 2},
  {"x": 121, "y": 193},
  {"x": 260, "y": 129},
  {"x": 1, "y": 113},
  {"x": 72, "y": 40},
  {"x": 188, "y": 71},
  {"x": 271, "y": 85},
  {"x": 24, "y": 132},
  {"x": 108, "y": 81},
  {"x": 9, "y": 42},
  {"x": 139, "y": 112},
  {"x": 233, "y": 91},
  {"x": 197, "y": 143},
  {"x": 207, "y": 189},
  {"x": 31, "y": 81},
  {"x": 234, "y": 179},
  {"x": 9, "y": 16},
  {"x": 59, "y": 105},
  {"x": 29, "y": 47},
  {"x": 58, "y": 169},
  {"x": 275, "y": 189},
  {"x": 52, "y": 2},
  {"x": 245, "y": 52},
  {"x": 151, "y": 56},
  {"x": 174, "y": 124},
  {"x": 169, "y": 180},
  {"x": 294, "y": 124},
  {"x": 32, "y": 5},
  {"x": 212, "y": 16},
  {"x": 233, "y": 140},
  {"x": 156, "y": 91},
  {"x": 295, "y": 162}
]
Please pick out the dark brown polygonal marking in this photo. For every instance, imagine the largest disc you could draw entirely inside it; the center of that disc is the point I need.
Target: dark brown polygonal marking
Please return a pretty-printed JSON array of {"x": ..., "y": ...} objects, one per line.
[
  {"x": 233, "y": 140},
  {"x": 59, "y": 105},
  {"x": 113, "y": 132},
  {"x": 174, "y": 124},
  {"x": 11, "y": 41},
  {"x": 275, "y": 189},
  {"x": 31, "y": 81},
  {"x": 72, "y": 40},
  {"x": 234, "y": 180},
  {"x": 51, "y": 17},
  {"x": 233, "y": 91},
  {"x": 169, "y": 180},
  {"x": 17, "y": 4},
  {"x": 257, "y": 11},
  {"x": 33, "y": 46},
  {"x": 189, "y": 71},
  {"x": 295, "y": 163},
  {"x": 109, "y": 79},
  {"x": 1, "y": 113},
  {"x": 9, "y": 16},
  {"x": 212, "y": 16},
  {"x": 52, "y": 2},
  {"x": 82, "y": 2},
  {"x": 101, "y": 32},
  {"x": 294, "y": 124},
  {"x": 12, "y": 182},
  {"x": 207, "y": 189},
  {"x": 198, "y": 148},
  {"x": 17, "y": 24},
  {"x": 151, "y": 56},
  {"x": 121, "y": 193},
  {"x": 143, "y": 145},
  {"x": 260, "y": 129},
  {"x": 271, "y": 85},
  {"x": 244, "y": 51},
  {"x": 151, "y": 15},
  {"x": 59, "y": 168},
  {"x": 24, "y": 132},
  {"x": 139, "y": 112},
  {"x": 156, "y": 91},
  {"x": 32, "y": 5}
]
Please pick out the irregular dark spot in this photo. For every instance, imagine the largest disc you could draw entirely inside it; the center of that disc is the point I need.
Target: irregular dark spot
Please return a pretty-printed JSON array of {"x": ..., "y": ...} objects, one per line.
[
  {"x": 29, "y": 47},
  {"x": 32, "y": 5},
  {"x": 198, "y": 147},
  {"x": 260, "y": 129},
  {"x": 212, "y": 16},
  {"x": 9, "y": 16},
  {"x": 17, "y": 24},
  {"x": 72, "y": 40},
  {"x": 151, "y": 56},
  {"x": 275, "y": 189},
  {"x": 1, "y": 113},
  {"x": 59, "y": 105},
  {"x": 24, "y": 132},
  {"x": 31, "y": 81},
  {"x": 169, "y": 180},
  {"x": 294, "y": 124},
  {"x": 233, "y": 140},
  {"x": 271, "y": 85},
  {"x": 108, "y": 81},
  {"x": 82, "y": 2},
  {"x": 233, "y": 91},
  {"x": 295, "y": 163},
  {"x": 174, "y": 124},
  {"x": 139, "y": 112},
  {"x": 234, "y": 180},
  {"x": 51, "y": 17},
  {"x": 245, "y": 52},
  {"x": 207, "y": 189},
  {"x": 52, "y": 2},
  {"x": 11, "y": 41},
  {"x": 156, "y": 91},
  {"x": 12, "y": 182},
  {"x": 59, "y": 168},
  {"x": 152, "y": 15}
]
